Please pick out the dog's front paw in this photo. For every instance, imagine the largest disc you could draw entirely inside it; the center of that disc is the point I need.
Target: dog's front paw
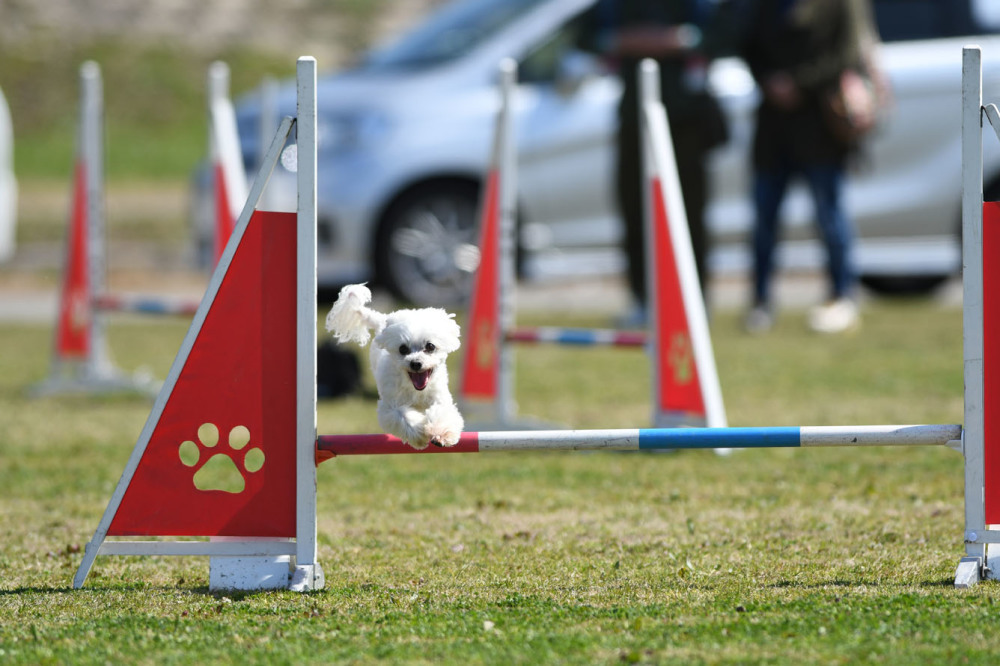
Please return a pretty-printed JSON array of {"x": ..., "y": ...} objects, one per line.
[
  {"x": 444, "y": 437},
  {"x": 418, "y": 444}
]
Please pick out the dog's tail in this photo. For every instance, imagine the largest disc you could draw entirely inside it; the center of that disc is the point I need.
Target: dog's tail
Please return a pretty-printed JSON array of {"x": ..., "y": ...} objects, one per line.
[{"x": 351, "y": 320}]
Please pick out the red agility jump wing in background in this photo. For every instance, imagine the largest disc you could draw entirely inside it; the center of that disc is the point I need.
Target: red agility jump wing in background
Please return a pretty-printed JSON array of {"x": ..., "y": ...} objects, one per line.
[
  {"x": 482, "y": 340},
  {"x": 680, "y": 385},
  {"x": 73, "y": 328}
]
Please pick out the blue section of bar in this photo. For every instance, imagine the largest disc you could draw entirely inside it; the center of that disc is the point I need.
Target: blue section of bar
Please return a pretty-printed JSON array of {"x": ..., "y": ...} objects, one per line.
[
  {"x": 151, "y": 307},
  {"x": 719, "y": 438},
  {"x": 572, "y": 336}
]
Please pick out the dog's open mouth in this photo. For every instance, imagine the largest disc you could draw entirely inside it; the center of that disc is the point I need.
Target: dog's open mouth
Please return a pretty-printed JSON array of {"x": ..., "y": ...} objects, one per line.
[{"x": 420, "y": 379}]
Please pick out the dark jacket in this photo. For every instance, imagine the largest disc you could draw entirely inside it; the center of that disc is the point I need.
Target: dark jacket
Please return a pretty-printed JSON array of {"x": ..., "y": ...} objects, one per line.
[
  {"x": 682, "y": 78},
  {"x": 813, "y": 41}
]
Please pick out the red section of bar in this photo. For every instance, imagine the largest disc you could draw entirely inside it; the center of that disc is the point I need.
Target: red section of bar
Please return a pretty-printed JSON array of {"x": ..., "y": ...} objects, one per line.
[{"x": 330, "y": 446}]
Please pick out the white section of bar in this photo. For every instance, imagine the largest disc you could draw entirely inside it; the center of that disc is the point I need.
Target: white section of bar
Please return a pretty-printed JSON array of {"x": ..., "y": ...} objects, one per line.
[
  {"x": 888, "y": 435},
  {"x": 561, "y": 440}
]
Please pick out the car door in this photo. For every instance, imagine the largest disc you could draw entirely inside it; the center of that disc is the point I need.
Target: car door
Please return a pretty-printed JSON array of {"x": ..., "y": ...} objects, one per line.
[{"x": 566, "y": 128}]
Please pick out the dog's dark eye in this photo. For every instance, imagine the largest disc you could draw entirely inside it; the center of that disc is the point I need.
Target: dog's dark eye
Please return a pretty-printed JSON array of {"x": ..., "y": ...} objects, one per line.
[
  {"x": 429, "y": 347},
  {"x": 403, "y": 350}
]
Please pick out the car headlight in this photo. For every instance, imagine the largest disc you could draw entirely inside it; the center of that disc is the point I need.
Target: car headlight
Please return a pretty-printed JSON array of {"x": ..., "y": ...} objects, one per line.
[{"x": 348, "y": 132}]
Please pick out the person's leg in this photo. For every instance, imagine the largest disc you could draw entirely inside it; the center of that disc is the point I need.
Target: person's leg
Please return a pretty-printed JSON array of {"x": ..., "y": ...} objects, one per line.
[
  {"x": 826, "y": 185},
  {"x": 630, "y": 204},
  {"x": 769, "y": 191},
  {"x": 840, "y": 313},
  {"x": 690, "y": 157}
]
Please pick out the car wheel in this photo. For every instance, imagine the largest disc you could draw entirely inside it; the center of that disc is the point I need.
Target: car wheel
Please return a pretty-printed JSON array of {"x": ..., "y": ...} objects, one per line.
[
  {"x": 903, "y": 285},
  {"x": 427, "y": 248}
]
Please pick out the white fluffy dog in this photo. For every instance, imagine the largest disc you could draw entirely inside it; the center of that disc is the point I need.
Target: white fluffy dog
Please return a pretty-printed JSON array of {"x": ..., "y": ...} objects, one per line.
[{"x": 407, "y": 356}]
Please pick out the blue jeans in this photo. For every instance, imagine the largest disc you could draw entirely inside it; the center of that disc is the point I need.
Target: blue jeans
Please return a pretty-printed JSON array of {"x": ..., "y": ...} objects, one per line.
[{"x": 825, "y": 182}]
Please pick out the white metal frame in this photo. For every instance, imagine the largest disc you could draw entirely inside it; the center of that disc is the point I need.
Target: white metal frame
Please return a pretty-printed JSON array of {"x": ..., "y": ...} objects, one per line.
[
  {"x": 506, "y": 148},
  {"x": 981, "y": 561},
  {"x": 307, "y": 574}
]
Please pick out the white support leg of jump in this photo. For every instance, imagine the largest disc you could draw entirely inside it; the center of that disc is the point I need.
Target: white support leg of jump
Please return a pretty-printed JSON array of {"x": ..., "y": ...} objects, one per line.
[
  {"x": 247, "y": 571},
  {"x": 970, "y": 569},
  {"x": 249, "y": 562},
  {"x": 505, "y": 149},
  {"x": 308, "y": 574}
]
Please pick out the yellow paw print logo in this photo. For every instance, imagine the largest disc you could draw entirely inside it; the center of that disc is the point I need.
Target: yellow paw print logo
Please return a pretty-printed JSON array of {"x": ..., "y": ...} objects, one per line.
[
  {"x": 222, "y": 468},
  {"x": 681, "y": 358}
]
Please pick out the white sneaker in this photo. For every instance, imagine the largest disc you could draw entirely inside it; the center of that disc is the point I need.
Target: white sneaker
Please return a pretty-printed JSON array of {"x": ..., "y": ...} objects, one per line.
[
  {"x": 836, "y": 316},
  {"x": 758, "y": 320}
]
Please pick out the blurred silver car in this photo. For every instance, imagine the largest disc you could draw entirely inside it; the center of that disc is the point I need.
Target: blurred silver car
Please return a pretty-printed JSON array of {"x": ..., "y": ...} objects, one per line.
[{"x": 404, "y": 139}]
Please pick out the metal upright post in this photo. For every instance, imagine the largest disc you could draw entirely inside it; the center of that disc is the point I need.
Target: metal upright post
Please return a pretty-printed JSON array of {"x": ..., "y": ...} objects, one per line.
[
  {"x": 308, "y": 574},
  {"x": 507, "y": 147},
  {"x": 970, "y": 568},
  {"x": 92, "y": 154},
  {"x": 649, "y": 89}
]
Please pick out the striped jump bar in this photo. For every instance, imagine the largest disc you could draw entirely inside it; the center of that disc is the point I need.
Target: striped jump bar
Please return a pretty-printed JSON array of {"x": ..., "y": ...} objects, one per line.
[
  {"x": 652, "y": 439},
  {"x": 144, "y": 305},
  {"x": 578, "y": 336}
]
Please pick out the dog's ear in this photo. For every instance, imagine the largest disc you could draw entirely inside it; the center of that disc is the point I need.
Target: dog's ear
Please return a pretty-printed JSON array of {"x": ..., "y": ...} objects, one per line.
[
  {"x": 384, "y": 338},
  {"x": 450, "y": 332}
]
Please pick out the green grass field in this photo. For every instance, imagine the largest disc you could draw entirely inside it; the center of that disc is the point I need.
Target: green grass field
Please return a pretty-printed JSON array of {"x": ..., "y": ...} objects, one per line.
[{"x": 784, "y": 556}]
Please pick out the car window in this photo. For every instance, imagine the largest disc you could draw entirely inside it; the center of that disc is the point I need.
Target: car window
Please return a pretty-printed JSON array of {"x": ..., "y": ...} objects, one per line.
[
  {"x": 542, "y": 63},
  {"x": 448, "y": 34},
  {"x": 903, "y": 20}
]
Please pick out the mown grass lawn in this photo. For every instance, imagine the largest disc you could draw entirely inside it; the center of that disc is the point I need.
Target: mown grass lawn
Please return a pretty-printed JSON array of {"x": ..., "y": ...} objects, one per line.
[{"x": 782, "y": 556}]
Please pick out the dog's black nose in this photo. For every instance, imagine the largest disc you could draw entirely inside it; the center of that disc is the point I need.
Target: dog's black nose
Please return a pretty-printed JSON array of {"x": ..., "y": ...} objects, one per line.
[{"x": 416, "y": 366}]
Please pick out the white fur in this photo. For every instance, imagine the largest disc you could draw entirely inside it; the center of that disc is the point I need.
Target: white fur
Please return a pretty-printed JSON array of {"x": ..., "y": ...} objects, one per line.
[{"x": 427, "y": 336}]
